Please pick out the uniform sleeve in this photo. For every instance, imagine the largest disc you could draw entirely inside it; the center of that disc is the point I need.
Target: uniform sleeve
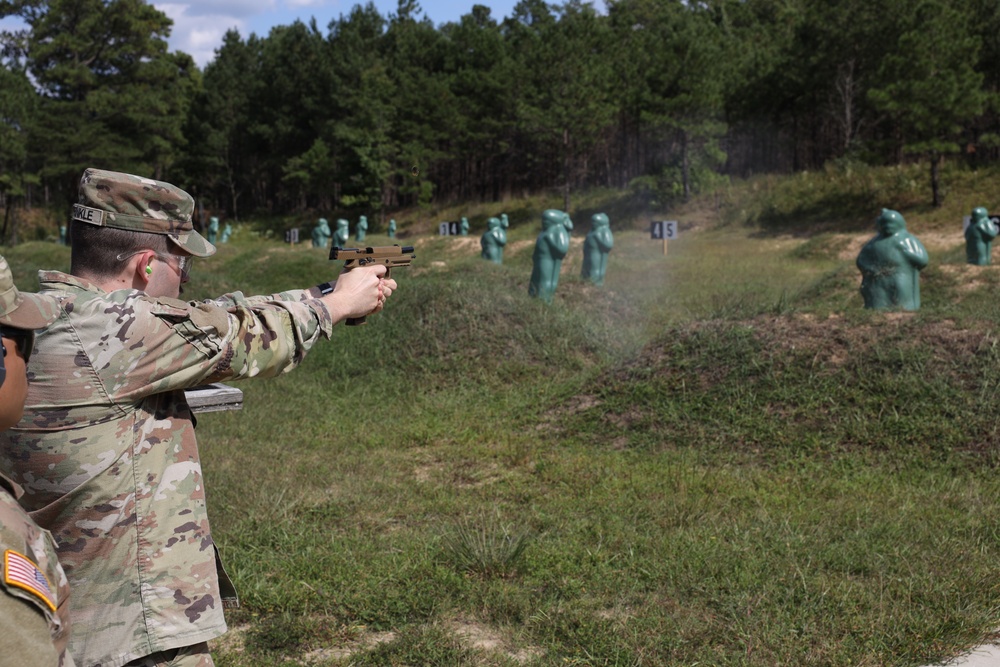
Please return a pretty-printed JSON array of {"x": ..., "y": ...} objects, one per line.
[
  {"x": 167, "y": 344},
  {"x": 239, "y": 299},
  {"x": 34, "y": 592},
  {"x": 25, "y": 638}
]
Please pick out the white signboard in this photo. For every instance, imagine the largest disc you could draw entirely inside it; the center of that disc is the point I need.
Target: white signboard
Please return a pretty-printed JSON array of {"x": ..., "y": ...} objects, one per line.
[
  {"x": 663, "y": 229},
  {"x": 449, "y": 229}
]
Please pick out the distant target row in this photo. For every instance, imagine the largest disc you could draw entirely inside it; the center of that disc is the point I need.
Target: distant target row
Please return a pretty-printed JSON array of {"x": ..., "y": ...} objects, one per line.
[
  {"x": 550, "y": 247},
  {"x": 891, "y": 261},
  {"x": 321, "y": 233}
]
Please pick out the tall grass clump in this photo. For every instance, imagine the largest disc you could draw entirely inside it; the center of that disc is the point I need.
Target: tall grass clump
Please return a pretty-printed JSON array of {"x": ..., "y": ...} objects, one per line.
[{"x": 485, "y": 547}]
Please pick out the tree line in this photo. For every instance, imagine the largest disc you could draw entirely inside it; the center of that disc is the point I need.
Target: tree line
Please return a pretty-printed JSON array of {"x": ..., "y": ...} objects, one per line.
[{"x": 666, "y": 97}]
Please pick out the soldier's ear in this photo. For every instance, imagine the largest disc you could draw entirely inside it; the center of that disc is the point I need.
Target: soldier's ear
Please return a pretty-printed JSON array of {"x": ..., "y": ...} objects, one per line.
[{"x": 142, "y": 270}]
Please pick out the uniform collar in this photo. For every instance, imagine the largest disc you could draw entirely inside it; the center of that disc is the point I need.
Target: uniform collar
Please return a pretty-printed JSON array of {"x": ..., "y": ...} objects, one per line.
[{"x": 48, "y": 280}]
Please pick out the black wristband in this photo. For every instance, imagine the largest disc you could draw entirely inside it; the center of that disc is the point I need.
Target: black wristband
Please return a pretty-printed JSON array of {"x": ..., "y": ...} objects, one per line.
[{"x": 324, "y": 288}]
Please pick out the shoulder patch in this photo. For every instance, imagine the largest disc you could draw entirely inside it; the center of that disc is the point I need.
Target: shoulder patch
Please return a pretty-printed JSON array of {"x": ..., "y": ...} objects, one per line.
[{"x": 21, "y": 572}]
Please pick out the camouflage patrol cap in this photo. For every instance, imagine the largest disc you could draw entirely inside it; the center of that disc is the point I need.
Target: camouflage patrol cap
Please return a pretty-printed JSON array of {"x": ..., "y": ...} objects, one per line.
[
  {"x": 20, "y": 309},
  {"x": 133, "y": 203}
]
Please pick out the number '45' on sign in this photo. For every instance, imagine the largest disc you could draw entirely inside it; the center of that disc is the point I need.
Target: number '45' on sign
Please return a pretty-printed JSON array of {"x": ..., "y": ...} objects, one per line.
[{"x": 663, "y": 229}]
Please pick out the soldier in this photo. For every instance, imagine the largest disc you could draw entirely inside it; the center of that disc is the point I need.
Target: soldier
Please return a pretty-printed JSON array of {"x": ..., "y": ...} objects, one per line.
[
  {"x": 33, "y": 607},
  {"x": 106, "y": 450}
]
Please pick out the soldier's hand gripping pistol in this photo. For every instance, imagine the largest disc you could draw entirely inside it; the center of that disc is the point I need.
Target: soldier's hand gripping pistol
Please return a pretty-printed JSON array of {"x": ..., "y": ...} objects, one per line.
[{"x": 390, "y": 256}]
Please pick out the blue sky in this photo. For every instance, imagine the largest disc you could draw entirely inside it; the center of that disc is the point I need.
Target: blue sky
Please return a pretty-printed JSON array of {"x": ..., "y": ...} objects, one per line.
[{"x": 200, "y": 25}]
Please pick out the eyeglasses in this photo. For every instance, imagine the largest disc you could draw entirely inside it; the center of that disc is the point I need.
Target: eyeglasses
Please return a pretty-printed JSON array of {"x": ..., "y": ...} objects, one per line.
[
  {"x": 183, "y": 261},
  {"x": 183, "y": 264},
  {"x": 24, "y": 340}
]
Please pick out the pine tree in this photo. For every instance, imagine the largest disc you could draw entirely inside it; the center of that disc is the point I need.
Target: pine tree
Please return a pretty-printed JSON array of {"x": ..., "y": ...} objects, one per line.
[
  {"x": 112, "y": 95},
  {"x": 929, "y": 83}
]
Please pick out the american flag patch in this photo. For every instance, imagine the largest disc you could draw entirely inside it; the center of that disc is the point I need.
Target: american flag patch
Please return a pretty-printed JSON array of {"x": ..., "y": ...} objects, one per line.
[{"x": 21, "y": 572}]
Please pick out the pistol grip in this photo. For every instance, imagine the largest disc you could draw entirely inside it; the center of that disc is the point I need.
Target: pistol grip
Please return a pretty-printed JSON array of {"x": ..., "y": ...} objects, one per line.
[{"x": 358, "y": 321}]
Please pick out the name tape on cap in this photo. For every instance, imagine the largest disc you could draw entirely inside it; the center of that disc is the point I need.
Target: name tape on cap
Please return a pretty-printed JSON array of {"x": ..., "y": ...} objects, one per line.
[{"x": 92, "y": 216}]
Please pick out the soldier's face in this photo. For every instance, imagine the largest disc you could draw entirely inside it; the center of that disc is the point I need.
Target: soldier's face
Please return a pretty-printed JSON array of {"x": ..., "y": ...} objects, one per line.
[{"x": 15, "y": 386}]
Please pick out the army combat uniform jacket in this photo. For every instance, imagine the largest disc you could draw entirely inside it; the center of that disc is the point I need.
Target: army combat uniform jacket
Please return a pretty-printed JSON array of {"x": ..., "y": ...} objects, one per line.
[
  {"x": 33, "y": 606},
  {"x": 107, "y": 456}
]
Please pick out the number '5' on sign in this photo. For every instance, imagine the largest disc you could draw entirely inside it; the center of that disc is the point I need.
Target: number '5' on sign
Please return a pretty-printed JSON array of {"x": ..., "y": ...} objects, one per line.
[{"x": 664, "y": 229}]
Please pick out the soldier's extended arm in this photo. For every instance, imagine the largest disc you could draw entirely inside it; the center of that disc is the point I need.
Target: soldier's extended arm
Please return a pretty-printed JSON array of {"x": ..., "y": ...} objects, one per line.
[{"x": 389, "y": 256}]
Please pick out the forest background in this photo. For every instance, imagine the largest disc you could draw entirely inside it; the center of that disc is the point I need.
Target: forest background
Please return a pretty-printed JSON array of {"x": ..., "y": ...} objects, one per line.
[{"x": 663, "y": 98}]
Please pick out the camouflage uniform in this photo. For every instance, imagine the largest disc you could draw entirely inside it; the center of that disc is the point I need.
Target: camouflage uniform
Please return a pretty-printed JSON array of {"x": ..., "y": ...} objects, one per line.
[
  {"x": 34, "y": 615},
  {"x": 106, "y": 451},
  {"x": 34, "y": 608}
]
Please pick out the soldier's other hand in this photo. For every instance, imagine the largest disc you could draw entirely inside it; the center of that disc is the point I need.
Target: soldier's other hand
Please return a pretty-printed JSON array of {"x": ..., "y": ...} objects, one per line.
[{"x": 359, "y": 292}]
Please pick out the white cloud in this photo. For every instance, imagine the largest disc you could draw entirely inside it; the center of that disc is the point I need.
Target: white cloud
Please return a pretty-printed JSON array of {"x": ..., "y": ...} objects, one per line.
[
  {"x": 229, "y": 8},
  {"x": 200, "y": 26},
  {"x": 199, "y": 34},
  {"x": 308, "y": 3}
]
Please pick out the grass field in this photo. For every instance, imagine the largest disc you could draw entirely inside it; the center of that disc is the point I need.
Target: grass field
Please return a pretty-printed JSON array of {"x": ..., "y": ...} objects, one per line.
[{"x": 720, "y": 458}]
